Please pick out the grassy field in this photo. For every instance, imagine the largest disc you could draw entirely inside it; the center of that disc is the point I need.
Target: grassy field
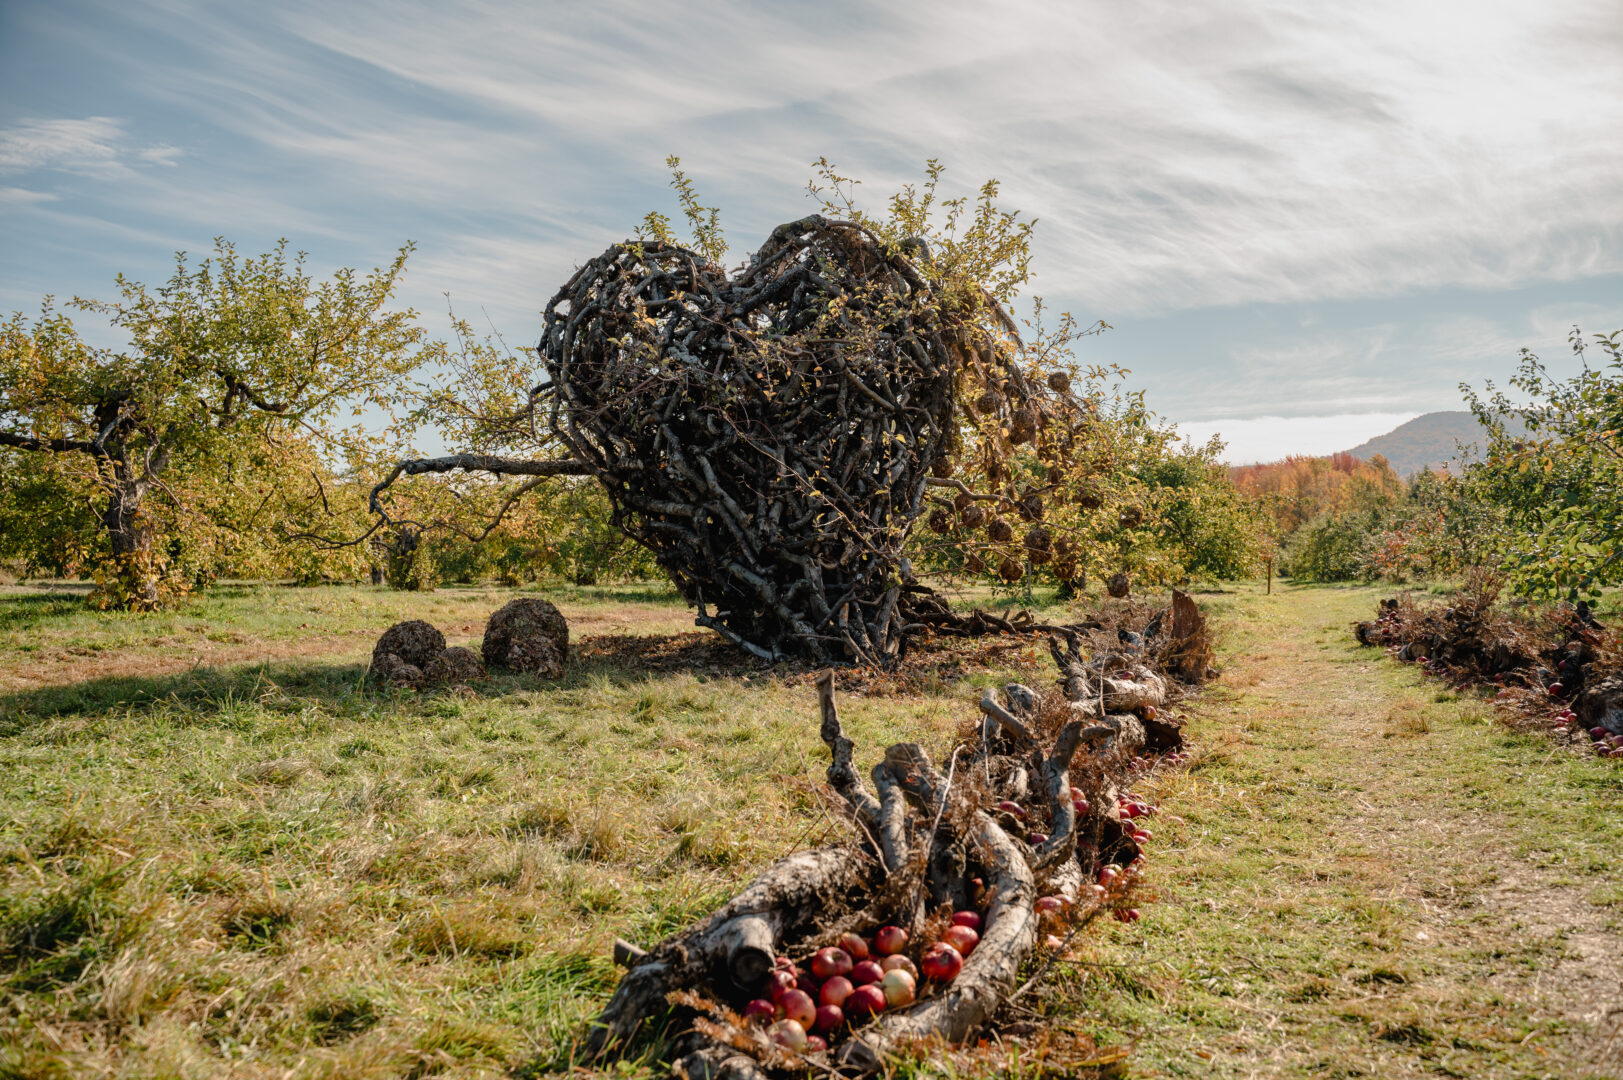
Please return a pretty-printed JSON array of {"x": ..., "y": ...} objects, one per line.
[{"x": 222, "y": 854}]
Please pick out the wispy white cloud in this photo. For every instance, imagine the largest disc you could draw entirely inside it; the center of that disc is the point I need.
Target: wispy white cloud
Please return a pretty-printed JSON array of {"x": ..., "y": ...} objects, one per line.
[
  {"x": 91, "y": 146},
  {"x": 16, "y": 196},
  {"x": 1182, "y": 159}
]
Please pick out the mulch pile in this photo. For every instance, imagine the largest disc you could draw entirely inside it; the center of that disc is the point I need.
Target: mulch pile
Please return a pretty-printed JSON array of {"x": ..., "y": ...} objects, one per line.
[{"x": 1552, "y": 668}]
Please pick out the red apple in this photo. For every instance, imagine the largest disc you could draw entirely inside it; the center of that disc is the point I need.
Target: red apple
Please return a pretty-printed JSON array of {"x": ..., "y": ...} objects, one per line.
[
  {"x": 865, "y": 1001},
  {"x": 971, "y": 919},
  {"x": 835, "y": 991},
  {"x": 1097, "y": 891},
  {"x": 961, "y": 938},
  {"x": 899, "y": 963},
  {"x": 1127, "y": 914},
  {"x": 977, "y": 890},
  {"x": 1037, "y": 839},
  {"x": 1047, "y": 905},
  {"x": 831, "y": 962},
  {"x": 798, "y": 1005},
  {"x": 1149, "y": 712},
  {"x": 760, "y": 1010},
  {"x": 829, "y": 1017},
  {"x": 815, "y": 1044},
  {"x": 1129, "y": 810},
  {"x": 941, "y": 963},
  {"x": 854, "y": 946},
  {"x": 1108, "y": 873},
  {"x": 789, "y": 1034},
  {"x": 1597, "y": 733},
  {"x": 1143, "y": 836},
  {"x": 1014, "y": 808},
  {"x": 890, "y": 940},
  {"x": 900, "y": 988},
  {"x": 780, "y": 982},
  {"x": 1080, "y": 806},
  {"x": 866, "y": 972},
  {"x": 1556, "y": 689},
  {"x": 783, "y": 962}
]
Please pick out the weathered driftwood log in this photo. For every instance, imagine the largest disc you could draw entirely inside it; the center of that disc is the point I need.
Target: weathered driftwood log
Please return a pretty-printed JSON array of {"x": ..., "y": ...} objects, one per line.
[{"x": 785, "y": 900}]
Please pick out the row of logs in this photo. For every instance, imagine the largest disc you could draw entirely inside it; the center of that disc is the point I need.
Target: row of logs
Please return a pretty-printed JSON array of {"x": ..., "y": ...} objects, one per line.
[{"x": 998, "y": 829}]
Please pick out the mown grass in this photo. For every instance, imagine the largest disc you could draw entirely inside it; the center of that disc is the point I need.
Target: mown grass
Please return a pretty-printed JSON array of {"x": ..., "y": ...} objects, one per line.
[
  {"x": 273, "y": 869},
  {"x": 270, "y": 869},
  {"x": 1366, "y": 876}
]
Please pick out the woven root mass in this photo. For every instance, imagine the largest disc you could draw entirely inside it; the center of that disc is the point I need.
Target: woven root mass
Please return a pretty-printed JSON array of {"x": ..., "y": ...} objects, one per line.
[
  {"x": 1557, "y": 669},
  {"x": 1026, "y": 832},
  {"x": 770, "y": 436}
]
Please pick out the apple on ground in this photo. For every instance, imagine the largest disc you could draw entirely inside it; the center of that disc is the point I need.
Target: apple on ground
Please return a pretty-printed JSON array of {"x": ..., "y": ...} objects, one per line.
[
  {"x": 815, "y": 1044},
  {"x": 941, "y": 963},
  {"x": 865, "y": 1001},
  {"x": 899, "y": 987},
  {"x": 789, "y": 1035},
  {"x": 971, "y": 919},
  {"x": 1010, "y": 807},
  {"x": 1048, "y": 905},
  {"x": 961, "y": 938},
  {"x": 829, "y": 1017},
  {"x": 779, "y": 982},
  {"x": 798, "y": 1005},
  {"x": 866, "y": 972},
  {"x": 835, "y": 991},
  {"x": 854, "y": 945},
  {"x": 760, "y": 1010},
  {"x": 890, "y": 940},
  {"x": 899, "y": 963},
  {"x": 830, "y": 962}
]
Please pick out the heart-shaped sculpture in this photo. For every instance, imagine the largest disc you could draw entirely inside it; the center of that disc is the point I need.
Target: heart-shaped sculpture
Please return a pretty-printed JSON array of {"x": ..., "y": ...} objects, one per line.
[{"x": 768, "y": 436}]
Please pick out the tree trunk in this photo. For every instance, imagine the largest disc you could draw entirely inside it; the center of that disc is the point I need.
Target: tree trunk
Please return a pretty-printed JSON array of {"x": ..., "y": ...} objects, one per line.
[{"x": 135, "y": 574}]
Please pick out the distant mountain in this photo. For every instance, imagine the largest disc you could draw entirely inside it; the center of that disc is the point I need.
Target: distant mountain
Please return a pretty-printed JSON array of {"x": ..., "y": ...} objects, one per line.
[{"x": 1427, "y": 440}]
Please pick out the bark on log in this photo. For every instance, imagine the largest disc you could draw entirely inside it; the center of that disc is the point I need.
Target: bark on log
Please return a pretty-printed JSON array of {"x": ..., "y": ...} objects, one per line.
[{"x": 786, "y": 898}]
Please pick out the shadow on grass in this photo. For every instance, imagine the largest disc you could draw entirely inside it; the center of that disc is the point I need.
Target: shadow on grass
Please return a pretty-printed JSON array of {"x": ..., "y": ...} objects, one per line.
[{"x": 280, "y": 685}]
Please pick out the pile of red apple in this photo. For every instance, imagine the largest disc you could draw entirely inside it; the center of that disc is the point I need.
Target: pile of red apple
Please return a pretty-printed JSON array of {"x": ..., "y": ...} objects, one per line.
[{"x": 843, "y": 985}]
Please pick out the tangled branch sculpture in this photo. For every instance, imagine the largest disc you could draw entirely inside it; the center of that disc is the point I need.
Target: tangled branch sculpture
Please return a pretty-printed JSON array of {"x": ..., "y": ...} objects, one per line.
[{"x": 771, "y": 436}]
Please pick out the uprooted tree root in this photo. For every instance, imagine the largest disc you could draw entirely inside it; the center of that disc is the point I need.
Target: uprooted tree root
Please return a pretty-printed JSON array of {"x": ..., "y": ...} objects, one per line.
[
  {"x": 1556, "y": 669},
  {"x": 1032, "y": 803}
]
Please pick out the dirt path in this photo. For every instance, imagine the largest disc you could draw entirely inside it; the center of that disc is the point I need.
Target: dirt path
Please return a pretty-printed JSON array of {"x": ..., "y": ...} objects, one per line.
[{"x": 1372, "y": 878}]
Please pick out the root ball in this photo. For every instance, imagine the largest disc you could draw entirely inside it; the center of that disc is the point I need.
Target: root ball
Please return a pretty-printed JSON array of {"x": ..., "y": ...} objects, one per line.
[
  {"x": 529, "y": 634},
  {"x": 414, "y": 642}
]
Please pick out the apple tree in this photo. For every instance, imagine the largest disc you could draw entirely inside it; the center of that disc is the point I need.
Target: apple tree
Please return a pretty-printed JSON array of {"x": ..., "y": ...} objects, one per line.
[{"x": 237, "y": 398}]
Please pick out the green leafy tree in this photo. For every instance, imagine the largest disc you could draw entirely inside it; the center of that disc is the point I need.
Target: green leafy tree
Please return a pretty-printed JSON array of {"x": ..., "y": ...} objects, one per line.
[
  {"x": 1559, "y": 483},
  {"x": 218, "y": 419}
]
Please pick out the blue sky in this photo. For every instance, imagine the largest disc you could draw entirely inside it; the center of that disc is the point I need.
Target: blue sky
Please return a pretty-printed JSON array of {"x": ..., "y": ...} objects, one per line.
[{"x": 1306, "y": 221}]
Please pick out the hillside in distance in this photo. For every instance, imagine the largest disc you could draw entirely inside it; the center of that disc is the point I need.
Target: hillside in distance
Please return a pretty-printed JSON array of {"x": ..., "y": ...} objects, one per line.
[{"x": 1427, "y": 440}]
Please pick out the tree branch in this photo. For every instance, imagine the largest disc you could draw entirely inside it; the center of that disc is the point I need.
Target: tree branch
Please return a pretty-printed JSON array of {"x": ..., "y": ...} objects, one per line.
[
  {"x": 29, "y": 442},
  {"x": 474, "y": 463}
]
